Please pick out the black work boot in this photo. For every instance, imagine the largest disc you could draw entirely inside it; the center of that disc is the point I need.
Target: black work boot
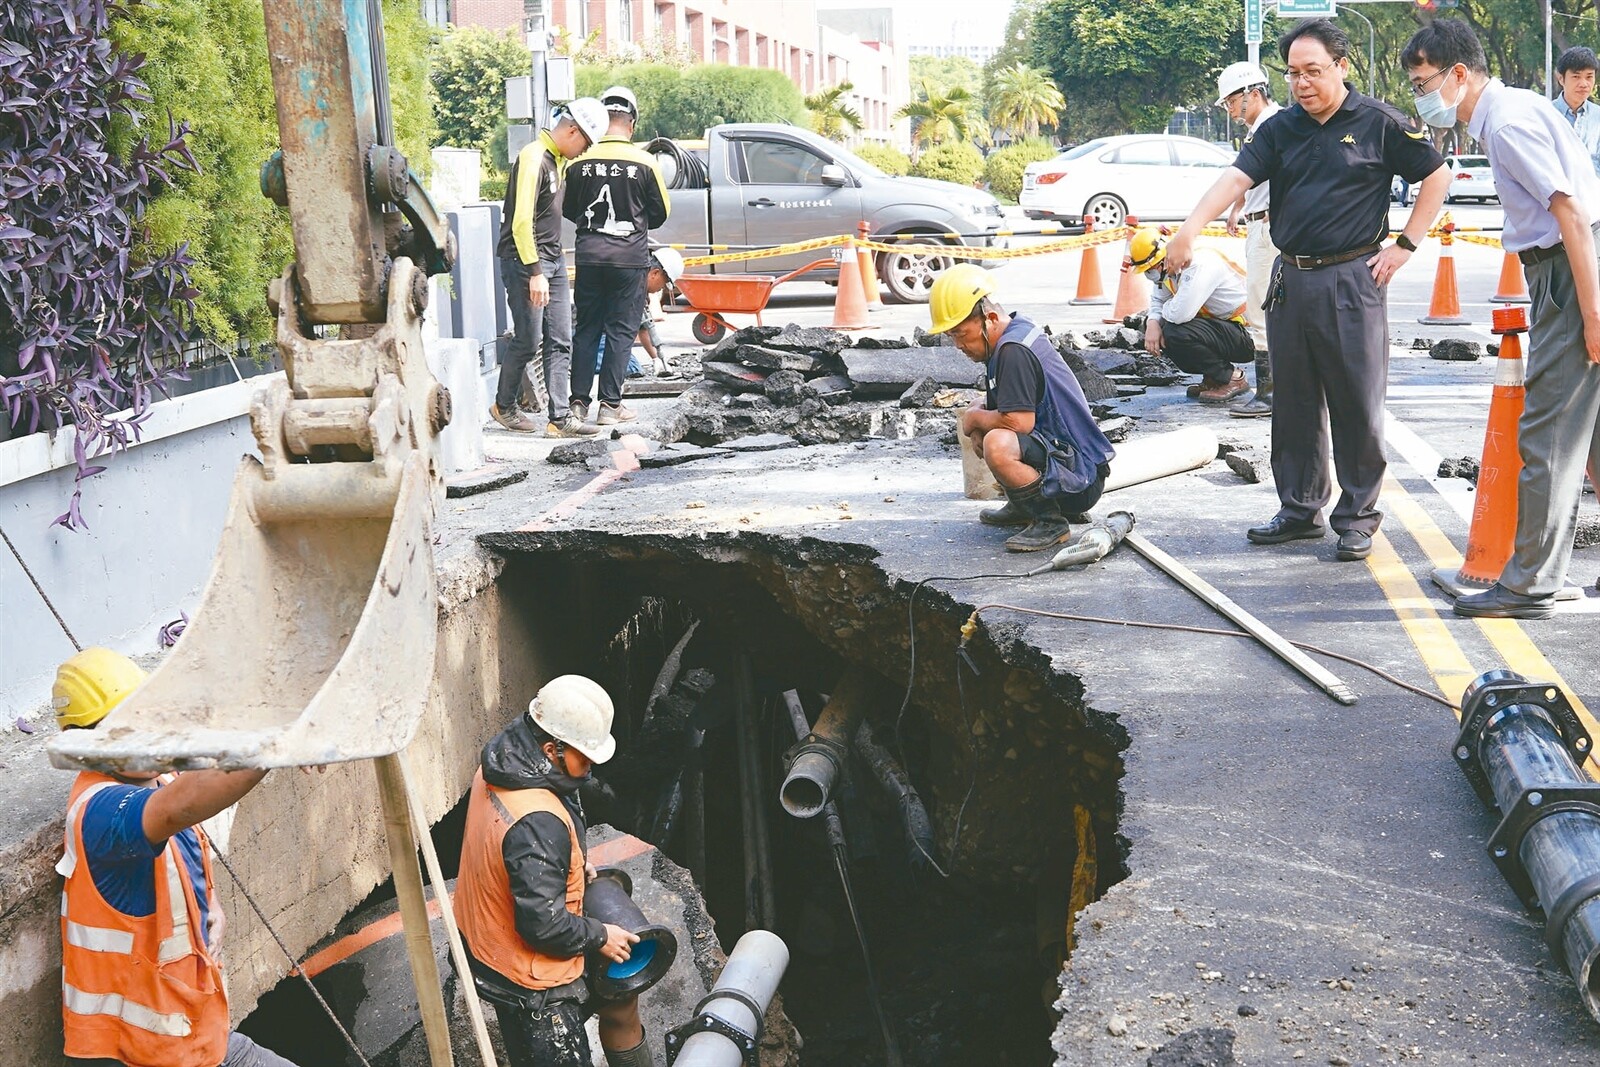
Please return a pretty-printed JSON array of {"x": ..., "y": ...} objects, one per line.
[
  {"x": 1007, "y": 514},
  {"x": 1260, "y": 405},
  {"x": 1047, "y": 526}
]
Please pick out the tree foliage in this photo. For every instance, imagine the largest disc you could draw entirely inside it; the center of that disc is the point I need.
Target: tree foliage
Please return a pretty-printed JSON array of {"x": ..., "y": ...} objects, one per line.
[
  {"x": 1002, "y": 171},
  {"x": 684, "y": 103},
  {"x": 831, "y": 113},
  {"x": 937, "y": 117},
  {"x": 468, "y": 73},
  {"x": 1024, "y": 100},
  {"x": 953, "y": 161},
  {"x": 946, "y": 73},
  {"x": 1125, "y": 64},
  {"x": 886, "y": 158}
]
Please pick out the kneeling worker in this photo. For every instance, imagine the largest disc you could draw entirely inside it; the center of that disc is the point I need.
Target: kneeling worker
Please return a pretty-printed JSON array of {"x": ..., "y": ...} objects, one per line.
[
  {"x": 141, "y": 984},
  {"x": 1197, "y": 316},
  {"x": 519, "y": 895},
  {"x": 1034, "y": 429}
]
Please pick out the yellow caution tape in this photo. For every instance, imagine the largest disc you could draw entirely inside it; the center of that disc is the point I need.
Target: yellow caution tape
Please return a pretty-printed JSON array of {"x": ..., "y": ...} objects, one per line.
[{"x": 764, "y": 253}]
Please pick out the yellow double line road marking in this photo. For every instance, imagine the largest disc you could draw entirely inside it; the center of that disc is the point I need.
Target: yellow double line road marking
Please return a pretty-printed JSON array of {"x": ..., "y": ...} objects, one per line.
[{"x": 1440, "y": 652}]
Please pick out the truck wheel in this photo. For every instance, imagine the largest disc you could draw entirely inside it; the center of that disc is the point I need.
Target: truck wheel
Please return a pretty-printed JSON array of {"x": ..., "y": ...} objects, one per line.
[
  {"x": 706, "y": 330},
  {"x": 907, "y": 278}
]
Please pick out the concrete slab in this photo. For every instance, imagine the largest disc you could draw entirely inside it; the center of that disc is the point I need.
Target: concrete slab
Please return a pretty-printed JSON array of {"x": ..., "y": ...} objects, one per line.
[{"x": 887, "y": 372}]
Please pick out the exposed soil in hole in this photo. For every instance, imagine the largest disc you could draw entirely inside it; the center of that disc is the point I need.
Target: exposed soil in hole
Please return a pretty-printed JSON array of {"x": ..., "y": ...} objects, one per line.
[{"x": 966, "y": 965}]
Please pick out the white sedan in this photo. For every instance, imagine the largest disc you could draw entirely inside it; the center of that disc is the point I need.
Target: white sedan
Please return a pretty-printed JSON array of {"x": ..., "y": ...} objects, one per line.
[
  {"x": 1470, "y": 179},
  {"x": 1148, "y": 176}
]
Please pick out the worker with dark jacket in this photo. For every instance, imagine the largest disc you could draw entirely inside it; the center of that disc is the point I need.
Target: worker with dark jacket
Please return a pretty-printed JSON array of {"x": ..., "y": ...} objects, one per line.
[
  {"x": 534, "y": 269},
  {"x": 1034, "y": 429},
  {"x": 615, "y": 197},
  {"x": 141, "y": 984},
  {"x": 524, "y": 868}
]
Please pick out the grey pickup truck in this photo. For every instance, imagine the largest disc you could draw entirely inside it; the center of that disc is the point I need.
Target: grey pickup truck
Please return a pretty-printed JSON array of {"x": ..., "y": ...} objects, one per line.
[{"x": 770, "y": 184}]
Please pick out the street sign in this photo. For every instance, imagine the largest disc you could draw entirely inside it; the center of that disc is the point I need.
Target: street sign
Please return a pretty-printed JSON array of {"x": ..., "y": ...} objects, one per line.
[
  {"x": 1252, "y": 21},
  {"x": 1304, "y": 9}
]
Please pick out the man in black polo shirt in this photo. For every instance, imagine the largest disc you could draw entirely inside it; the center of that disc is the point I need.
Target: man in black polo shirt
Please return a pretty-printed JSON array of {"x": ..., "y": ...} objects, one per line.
[{"x": 1330, "y": 158}]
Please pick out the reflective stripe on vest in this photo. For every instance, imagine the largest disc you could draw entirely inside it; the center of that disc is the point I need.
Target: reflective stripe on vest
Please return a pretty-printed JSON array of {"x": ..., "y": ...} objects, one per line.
[{"x": 171, "y": 1024}]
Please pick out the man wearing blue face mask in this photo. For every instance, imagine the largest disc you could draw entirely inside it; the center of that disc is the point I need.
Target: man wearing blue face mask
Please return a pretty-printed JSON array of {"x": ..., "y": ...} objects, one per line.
[{"x": 1543, "y": 174}]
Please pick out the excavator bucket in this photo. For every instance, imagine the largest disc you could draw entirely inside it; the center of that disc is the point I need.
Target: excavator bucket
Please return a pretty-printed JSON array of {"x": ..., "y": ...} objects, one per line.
[{"x": 313, "y": 643}]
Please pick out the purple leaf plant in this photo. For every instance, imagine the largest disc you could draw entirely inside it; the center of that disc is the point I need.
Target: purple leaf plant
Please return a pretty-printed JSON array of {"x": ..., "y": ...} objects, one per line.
[{"x": 91, "y": 318}]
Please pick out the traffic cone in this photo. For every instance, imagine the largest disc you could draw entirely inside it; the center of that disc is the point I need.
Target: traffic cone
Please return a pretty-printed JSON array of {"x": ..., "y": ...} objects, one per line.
[
  {"x": 1513, "y": 288},
  {"x": 1090, "y": 288},
  {"x": 850, "y": 306},
  {"x": 869, "y": 272},
  {"x": 1494, "y": 516},
  {"x": 1445, "y": 307},
  {"x": 1133, "y": 289}
]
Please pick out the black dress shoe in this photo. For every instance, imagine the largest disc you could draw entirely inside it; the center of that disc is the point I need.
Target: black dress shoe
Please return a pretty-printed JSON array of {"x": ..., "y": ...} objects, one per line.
[
  {"x": 1498, "y": 602},
  {"x": 1281, "y": 529},
  {"x": 1354, "y": 544}
]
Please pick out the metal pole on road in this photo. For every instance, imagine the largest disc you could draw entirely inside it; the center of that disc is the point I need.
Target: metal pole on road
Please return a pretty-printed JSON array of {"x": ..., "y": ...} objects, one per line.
[
  {"x": 1549, "y": 73},
  {"x": 1372, "y": 50}
]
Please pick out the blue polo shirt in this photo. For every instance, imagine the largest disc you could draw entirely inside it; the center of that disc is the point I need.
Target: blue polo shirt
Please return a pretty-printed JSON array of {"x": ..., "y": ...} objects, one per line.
[{"x": 122, "y": 860}]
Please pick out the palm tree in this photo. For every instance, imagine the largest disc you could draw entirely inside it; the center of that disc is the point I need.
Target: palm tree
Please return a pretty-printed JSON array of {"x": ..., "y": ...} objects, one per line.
[
  {"x": 1024, "y": 99},
  {"x": 942, "y": 116},
  {"x": 831, "y": 116}
]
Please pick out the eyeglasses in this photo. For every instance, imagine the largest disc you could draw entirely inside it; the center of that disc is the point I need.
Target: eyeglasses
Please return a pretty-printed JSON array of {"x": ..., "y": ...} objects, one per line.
[
  {"x": 1313, "y": 75},
  {"x": 1421, "y": 88}
]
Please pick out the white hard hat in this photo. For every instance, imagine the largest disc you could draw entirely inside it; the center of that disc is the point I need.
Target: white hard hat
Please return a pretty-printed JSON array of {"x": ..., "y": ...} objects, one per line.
[
  {"x": 1236, "y": 76},
  {"x": 620, "y": 98},
  {"x": 590, "y": 115},
  {"x": 670, "y": 260},
  {"x": 577, "y": 711}
]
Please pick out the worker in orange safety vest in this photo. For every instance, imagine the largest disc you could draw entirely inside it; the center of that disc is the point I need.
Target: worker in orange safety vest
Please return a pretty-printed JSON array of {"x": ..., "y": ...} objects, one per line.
[
  {"x": 524, "y": 869},
  {"x": 140, "y": 923}
]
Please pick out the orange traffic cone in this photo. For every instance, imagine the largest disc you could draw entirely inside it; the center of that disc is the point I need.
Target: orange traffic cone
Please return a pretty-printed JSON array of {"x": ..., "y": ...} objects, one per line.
[
  {"x": 1090, "y": 288},
  {"x": 1513, "y": 288},
  {"x": 869, "y": 272},
  {"x": 850, "y": 306},
  {"x": 1494, "y": 516},
  {"x": 1445, "y": 307},
  {"x": 1133, "y": 290}
]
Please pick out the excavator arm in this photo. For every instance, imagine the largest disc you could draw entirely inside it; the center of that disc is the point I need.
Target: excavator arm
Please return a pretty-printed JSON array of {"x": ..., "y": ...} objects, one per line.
[{"x": 314, "y": 640}]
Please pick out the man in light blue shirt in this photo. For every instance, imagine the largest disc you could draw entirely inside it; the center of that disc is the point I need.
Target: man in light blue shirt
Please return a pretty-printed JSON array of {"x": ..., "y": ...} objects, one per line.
[
  {"x": 1575, "y": 73},
  {"x": 1546, "y": 184}
]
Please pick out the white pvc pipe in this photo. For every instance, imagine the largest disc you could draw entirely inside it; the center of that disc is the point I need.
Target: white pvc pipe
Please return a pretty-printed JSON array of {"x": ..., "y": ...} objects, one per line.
[
  {"x": 754, "y": 968},
  {"x": 1144, "y": 459}
]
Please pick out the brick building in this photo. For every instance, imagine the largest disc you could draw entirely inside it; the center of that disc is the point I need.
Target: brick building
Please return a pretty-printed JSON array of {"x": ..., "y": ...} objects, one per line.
[{"x": 816, "y": 50}]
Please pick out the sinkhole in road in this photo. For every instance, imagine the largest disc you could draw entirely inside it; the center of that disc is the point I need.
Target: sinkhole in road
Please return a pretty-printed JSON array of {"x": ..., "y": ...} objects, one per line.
[{"x": 704, "y": 644}]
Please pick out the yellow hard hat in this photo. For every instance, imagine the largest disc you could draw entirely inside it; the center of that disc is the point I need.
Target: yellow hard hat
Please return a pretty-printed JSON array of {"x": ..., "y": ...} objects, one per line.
[
  {"x": 1147, "y": 249},
  {"x": 90, "y": 684},
  {"x": 955, "y": 293}
]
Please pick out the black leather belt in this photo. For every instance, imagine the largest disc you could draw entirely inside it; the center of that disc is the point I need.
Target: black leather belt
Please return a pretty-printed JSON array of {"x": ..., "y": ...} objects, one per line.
[
  {"x": 1530, "y": 256},
  {"x": 1312, "y": 262},
  {"x": 1254, "y": 216}
]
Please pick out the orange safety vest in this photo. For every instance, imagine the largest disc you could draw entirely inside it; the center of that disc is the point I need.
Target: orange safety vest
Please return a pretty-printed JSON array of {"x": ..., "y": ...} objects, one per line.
[
  {"x": 484, "y": 906},
  {"x": 1238, "y": 312},
  {"x": 144, "y": 990}
]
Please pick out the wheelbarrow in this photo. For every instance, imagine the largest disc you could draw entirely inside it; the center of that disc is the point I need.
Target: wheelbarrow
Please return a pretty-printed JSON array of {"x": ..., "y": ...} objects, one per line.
[{"x": 710, "y": 295}]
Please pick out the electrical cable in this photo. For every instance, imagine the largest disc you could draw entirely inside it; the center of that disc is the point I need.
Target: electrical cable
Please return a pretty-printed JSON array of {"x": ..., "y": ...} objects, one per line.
[
  {"x": 39, "y": 589},
  {"x": 294, "y": 965},
  {"x": 688, "y": 170}
]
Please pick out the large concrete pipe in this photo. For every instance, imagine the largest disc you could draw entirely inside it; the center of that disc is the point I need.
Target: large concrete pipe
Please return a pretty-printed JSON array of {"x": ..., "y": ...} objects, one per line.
[
  {"x": 1144, "y": 459},
  {"x": 1522, "y": 748},
  {"x": 726, "y": 1028},
  {"x": 815, "y": 762}
]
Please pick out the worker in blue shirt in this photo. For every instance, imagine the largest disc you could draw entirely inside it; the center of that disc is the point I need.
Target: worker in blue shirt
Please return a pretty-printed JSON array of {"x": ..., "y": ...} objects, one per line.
[{"x": 1575, "y": 72}]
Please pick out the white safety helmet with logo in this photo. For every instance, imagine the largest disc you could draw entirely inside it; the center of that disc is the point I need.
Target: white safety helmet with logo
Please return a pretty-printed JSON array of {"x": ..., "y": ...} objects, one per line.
[
  {"x": 590, "y": 115},
  {"x": 670, "y": 260},
  {"x": 1236, "y": 76},
  {"x": 620, "y": 98},
  {"x": 576, "y": 711}
]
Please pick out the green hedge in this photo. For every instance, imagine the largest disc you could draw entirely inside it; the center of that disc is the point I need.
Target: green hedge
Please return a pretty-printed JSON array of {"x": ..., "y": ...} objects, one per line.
[
  {"x": 953, "y": 161},
  {"x": 1003, "y": 170},
  {"x": 207, "y": 65},
  {"x": 886, "y": 158},
  {"x": 468, "y": 72},
  {"x": 685, "y": 103}
]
